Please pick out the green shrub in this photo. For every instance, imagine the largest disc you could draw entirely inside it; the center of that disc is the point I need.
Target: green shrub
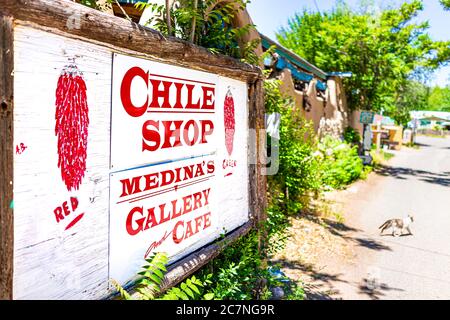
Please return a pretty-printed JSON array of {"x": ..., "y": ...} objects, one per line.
[
  {"x": 341, "y": 164},
  {"x": 298, "y": 174},
  {"x": 351, "y": 136}
]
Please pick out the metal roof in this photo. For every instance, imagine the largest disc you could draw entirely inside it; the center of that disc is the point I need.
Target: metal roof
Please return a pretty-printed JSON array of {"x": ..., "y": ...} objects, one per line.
[{"x": 293, "y": 58}]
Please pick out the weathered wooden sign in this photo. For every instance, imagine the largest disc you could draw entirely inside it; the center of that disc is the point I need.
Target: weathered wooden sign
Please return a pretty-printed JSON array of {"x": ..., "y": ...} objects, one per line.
[
  {"x": 178, "y": 141},
  {"x": 112, "y": 153}
]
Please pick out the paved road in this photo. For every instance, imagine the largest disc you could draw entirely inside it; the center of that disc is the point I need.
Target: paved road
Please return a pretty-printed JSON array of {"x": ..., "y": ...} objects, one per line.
[{"x": 408, "y": 267}]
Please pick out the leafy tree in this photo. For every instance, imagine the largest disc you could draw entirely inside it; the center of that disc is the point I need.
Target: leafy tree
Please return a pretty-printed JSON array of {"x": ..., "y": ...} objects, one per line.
[
  {"x": 412, "y": 95},
  {"x": 383, "y": 51},
  {"x": 446, "y": 4},
  {"x": 439, "y": 99},
  {"x": 213, "y": 27}
]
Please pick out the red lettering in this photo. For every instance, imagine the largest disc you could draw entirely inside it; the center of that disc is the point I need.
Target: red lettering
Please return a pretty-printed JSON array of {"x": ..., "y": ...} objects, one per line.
[
  {"x": 150, "y": 136},
  {"x": 208, "y": 94},
  {"x": 167, "y": 177},
  {"x": 151, "y": 181},
  {"x": 177, "y": 239},
  {"x": 198, "y": 223},
  {"x": 193, "y": 132},
  {"x": 175, "y": 213},
  {"x": 178, "y": 104},
  {"x": 163, "y": 217},
  {"x": 199, "y": 172},
  {"x": 132, "y": 231},
  {"x": 190, "y": 104},
  {"x": 65, "y": 208},
  {"x": 58, "y": 214},
  {"x": 169, "y": 133},
  {"x": 74, "y": 203},
  {"x": 206, "y": 195},
  {"x": 188, "y": 232},
  {"x": 125, "y": 91},
  {"x": 197, "y": 200},
  {"x": 187, "y": 204},
  {"x": 164, "y": 93},
  {"x": 137, "y": 221},
  {"x": 206, "y": 132},
  {"x": 190, "y": 123},
  {"x": 130, "y": 186},
  {"x": 207, "y": 219},
  {"x": 210, "y": 167},
  {"x": 151, "y": 219}
]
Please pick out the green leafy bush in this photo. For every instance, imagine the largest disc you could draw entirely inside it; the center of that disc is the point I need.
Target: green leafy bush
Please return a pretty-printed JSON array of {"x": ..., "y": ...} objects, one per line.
[
  {"x": 298, "y": 175},
  {"x": 351, "y": 136},
  {"x": 340, "y": 163},
  {"x": 213, "y": 27},
  {"x": 241, "y": 271}
]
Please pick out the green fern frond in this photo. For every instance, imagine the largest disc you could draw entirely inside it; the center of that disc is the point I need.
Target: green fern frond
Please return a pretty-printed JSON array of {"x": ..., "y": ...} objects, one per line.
[{"x": 123, "y": 293}]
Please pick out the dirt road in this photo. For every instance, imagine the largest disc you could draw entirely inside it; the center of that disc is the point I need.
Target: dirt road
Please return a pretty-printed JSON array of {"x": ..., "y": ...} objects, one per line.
[{"x": 384, "y": 267}]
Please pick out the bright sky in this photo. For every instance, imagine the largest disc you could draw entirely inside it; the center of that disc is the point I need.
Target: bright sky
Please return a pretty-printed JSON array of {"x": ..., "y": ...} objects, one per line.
[{"x": 270, "y": 15}]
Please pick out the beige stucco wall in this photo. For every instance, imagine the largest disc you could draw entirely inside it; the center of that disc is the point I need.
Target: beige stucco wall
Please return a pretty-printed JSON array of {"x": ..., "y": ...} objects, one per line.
[
  {"x": 329, "y": 117},
  {"x": 353, "y": 121}
]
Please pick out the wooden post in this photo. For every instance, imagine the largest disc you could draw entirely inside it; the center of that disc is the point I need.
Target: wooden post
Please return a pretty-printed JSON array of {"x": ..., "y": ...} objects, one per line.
[
  {"x": 261, "y": 149},
  {"x": 257, "y": 171},
  {"x": 257, "y": 178},
  {"x": 6, "y": 157},
  {"x": 378, "y": 136}
]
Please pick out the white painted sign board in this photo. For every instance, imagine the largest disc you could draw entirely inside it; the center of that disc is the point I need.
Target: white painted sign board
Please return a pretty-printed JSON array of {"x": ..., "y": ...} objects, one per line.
[{"x": 105, "y": 173}]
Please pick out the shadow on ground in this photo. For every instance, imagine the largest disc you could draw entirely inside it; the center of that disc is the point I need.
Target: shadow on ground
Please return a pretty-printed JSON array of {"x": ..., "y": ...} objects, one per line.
[
  {"x": 322, "y": 284},
  {"x": 422, "y": 144},
  {"x": 401, "y": 173},
  {"x": 321, "y": 287},
  {"x": 375, "y": 290},
  {"x": 340, "y": 229}
]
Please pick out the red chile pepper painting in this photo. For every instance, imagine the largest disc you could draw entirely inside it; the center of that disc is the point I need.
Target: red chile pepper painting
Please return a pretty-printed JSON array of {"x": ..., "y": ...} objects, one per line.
[
  {"x": 229, "y": 121},
  {"x": 71, "y": 126}
]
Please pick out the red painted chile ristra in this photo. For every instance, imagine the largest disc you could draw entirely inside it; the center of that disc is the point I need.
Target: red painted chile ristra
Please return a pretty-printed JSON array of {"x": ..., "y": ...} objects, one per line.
[{"x": 157, "y": 134}]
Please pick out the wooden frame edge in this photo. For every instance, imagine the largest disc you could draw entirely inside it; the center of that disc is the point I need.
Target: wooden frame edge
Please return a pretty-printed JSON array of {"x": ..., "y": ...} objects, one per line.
[
  {"x": 6, "y": 156},
  {"x": 92, "y": 25}
]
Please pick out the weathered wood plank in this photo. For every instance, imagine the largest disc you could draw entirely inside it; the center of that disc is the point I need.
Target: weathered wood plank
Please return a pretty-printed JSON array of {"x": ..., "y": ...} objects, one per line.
[
  {"x": 257, "y": 177},
  {"x": 252, "y": 153},
  {"x": 6, "y": 157},
  {"x": 261, "y": 178},
  {"x": 80, "y": 21},
  {"x": 49, "y": 261}
]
